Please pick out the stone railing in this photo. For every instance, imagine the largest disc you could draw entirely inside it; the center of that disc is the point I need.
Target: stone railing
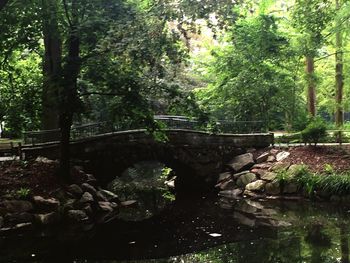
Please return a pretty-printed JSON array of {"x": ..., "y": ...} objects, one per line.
[{"x": 166, "y": 122}]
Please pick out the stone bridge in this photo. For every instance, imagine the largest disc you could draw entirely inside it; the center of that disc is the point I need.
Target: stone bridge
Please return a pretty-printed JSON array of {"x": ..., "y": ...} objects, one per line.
[{"x": 196, "y": 157}]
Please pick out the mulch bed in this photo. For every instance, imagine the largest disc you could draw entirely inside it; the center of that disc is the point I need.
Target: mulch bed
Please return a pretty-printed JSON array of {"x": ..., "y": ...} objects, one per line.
[
  {"x": 40, "y": 178},
  {"x": 316, "y": 158}
]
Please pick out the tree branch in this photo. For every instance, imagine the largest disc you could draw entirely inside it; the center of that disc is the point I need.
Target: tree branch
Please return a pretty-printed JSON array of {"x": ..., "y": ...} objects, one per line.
[
  {"x": 67, "y": 13},
  {"x": 328, "y": 55}
]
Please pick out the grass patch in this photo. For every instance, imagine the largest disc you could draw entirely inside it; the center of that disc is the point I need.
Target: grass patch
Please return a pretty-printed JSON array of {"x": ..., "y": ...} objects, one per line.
[{"x": 329, "y": 182}]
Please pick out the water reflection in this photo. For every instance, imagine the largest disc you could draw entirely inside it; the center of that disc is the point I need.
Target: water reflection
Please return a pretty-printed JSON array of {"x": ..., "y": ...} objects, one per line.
[
  {"x": 144, "y": 182},
  {"x": 203, "y": 230}
]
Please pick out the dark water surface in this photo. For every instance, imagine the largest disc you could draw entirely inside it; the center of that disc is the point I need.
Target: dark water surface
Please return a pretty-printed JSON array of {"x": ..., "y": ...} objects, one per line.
[{"x": 205, "y": 229}]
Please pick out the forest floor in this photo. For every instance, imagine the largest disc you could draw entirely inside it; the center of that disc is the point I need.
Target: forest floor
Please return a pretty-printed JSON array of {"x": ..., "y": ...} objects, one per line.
[{"x": 18, "y": 178}]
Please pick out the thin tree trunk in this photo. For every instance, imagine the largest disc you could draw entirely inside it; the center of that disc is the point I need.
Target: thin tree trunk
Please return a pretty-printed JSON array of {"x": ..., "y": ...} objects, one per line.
[
  {"x": 339, "y": 77},
  {"x": 311, "y": 89},
  {"x": 69, "y": 93},
  {"x": 51, "y": 67}
]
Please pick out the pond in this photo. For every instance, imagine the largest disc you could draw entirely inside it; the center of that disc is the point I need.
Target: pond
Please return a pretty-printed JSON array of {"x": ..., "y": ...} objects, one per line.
[{"x": 195, "y": 228}]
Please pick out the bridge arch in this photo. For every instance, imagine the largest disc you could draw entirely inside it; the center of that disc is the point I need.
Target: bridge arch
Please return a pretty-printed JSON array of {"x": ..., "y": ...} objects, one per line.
[{"x": 197, "y": 156}]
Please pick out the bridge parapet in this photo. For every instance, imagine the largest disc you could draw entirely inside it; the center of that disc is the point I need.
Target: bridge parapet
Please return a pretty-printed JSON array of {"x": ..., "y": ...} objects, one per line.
[{"x": 168, "y": 122}]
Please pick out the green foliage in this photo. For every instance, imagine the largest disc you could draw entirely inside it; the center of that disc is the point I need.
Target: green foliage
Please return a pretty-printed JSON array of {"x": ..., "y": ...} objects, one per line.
[
  {"x": 332, "y": 184},
  {"x": 23, "y": 193},
  {"x": 166, "y": 171},
  {"x": 251, "y": 81},
  {"x": 328, "y": 182},
  {"x": 328, "y": 168},
  {"x": 314, "y": 132}
]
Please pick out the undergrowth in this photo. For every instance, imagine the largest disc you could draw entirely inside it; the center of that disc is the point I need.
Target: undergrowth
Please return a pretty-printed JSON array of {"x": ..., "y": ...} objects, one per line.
[{"x": 329, "y": 182}]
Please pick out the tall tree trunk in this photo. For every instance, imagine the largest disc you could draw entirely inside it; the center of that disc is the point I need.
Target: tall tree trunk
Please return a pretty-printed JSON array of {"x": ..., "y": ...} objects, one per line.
[
  {"x": 311, "y": 88},
  {"x": 69, "y": 93},
  {"x": 51, "y": 67},
  {"x": 339, "y": 77}
]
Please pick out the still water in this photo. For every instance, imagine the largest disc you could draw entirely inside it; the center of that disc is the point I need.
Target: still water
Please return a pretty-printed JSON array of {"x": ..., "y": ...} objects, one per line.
[{"x": 197, "y": 229}]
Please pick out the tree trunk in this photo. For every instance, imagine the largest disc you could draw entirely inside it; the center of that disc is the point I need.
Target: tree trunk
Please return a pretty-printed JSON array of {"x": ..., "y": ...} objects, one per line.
[
  {"x": 339, "y": 77},
  {"x": 51, "y": 66},
  {"x": 311, "y": 89},
  {"x": 69, "y": 94}
]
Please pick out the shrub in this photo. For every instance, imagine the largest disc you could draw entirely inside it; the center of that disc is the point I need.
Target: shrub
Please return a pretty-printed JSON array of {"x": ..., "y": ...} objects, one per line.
[{"x": 314, "y": 132}]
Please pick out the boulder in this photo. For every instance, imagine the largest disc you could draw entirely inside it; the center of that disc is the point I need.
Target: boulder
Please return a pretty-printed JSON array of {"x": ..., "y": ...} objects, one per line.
[
  {"x": 105, "y": 206},
  {"x": 279, "y": 166},
  {"x": 75, "y": 190},
  {"x": 16, "y": 206},
  {"x": 274, "y": 151},
  {"x": 262, "y": 166},
  {"x": 271, "y": 159},
  {"x": 241, "y": 161},
  {"x": 87, "y": 208},
  {"x": 69, "y": 205},
  {"x": 18, "y": 218},
  {"x": 100, "y": 196},
  {"x": 263, "y": 157},
  {"x": 49, "y": 204},
  {"x": 86, "y": 198},
  {"x": 282, "y": 155},
  {"x": 269, "y": 176},
  {"x": 273, "y": 188},
  {"x": 235, "y": 193},
  {"x": 256, "y": 186},
  {"x": 77, "y": 216},
  {"x": 227, "y": 185},
  {"x": 224, "y": 177},
  {"x": 110, "y": 196},
  {"x": 48, "y": 219},
  {"x": 237, "y": 175},
  {"x": 290, "y": 188},
  {"x": 245, "y": 179},
  {"x": 258, "y": 172},
  {"x": 171, "y": 182},
  {"x": 89, "y": 188}
]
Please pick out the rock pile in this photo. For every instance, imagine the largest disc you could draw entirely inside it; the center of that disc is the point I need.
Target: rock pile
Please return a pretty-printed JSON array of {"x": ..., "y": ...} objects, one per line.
[
  {"x": 75, "y": 205},
  {"x": 258, "y": 177}
]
